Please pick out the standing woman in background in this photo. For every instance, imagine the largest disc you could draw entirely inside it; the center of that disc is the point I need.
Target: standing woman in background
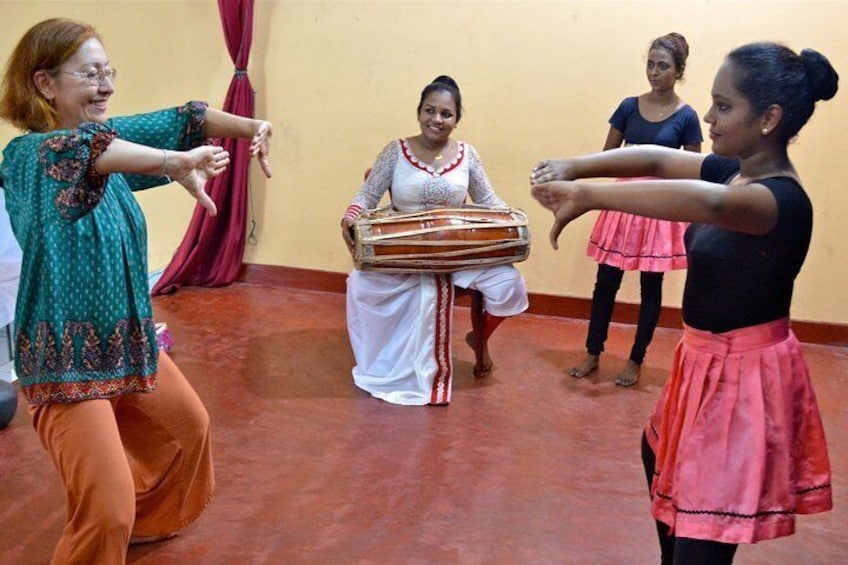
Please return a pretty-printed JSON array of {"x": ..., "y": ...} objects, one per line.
[
  {"x": 124, "y": 428},
  {"x": 626, "y": 242},
  {"x": 735, "y": 447}
]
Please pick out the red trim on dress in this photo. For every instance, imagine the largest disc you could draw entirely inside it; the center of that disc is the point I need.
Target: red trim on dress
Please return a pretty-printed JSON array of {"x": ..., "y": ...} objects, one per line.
[
  {"x": 416, "y": 162},
  {"x": 441, "y": 392}
]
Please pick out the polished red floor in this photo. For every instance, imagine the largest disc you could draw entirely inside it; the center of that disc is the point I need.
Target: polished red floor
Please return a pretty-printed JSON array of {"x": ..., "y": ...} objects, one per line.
[{"x": 527, "y": 466}]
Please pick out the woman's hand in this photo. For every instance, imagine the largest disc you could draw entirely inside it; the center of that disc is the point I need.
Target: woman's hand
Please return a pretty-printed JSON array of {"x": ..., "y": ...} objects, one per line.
[
  {"x": 552, "y": 170},
  {"x": 224, "y": 125},
  {"x": 347, "y": 234},
  {"x": 194, "y": 168},
  {"x": 565, "y": 200},
  {"x": 260, "y": 146}
]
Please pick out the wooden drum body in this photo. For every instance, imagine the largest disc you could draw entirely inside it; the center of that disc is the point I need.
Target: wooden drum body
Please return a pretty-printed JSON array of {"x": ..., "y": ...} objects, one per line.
[{"x": 442, "y": 240}]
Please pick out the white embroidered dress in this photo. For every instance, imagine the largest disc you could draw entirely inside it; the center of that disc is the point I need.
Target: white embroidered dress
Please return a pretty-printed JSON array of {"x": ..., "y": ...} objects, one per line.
[{"x": 399, "y": 324}]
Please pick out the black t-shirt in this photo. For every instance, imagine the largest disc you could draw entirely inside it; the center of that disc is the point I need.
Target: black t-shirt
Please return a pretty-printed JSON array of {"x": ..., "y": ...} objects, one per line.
[
  {"x": 737, "y": 280},
  {"x": 679, "y": 129}
]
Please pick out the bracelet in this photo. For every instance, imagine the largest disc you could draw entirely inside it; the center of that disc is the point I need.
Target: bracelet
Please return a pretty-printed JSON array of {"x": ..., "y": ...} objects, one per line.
[
  {"x": 164, "y": 163},
  {"x": 353, "y": 212}
]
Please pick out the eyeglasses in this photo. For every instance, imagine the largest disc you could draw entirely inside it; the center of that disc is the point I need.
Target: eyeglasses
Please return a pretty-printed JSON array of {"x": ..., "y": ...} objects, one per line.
[{"x": 95, "y": 77}]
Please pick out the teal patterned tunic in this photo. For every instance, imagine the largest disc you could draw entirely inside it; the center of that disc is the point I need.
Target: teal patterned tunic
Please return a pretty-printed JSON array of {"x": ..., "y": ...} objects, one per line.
[{"x": 84, "y": 321}]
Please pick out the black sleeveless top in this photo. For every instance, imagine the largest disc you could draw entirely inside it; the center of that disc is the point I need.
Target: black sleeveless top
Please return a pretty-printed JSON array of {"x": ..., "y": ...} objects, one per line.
[{"x": 737, "y": 280}]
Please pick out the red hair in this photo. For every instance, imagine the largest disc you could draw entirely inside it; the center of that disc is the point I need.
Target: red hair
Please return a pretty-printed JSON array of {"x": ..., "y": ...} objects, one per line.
[{"x": 45, "y": 46}]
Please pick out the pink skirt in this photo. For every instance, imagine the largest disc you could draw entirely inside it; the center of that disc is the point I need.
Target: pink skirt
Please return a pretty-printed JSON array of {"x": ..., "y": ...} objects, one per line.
[
  {"x": 636, "y": 243},
  {"x": 738, "y": 437}
]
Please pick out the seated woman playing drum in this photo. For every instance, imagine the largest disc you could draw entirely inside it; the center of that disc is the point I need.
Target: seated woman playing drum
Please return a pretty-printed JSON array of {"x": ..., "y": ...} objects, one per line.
[{"x": 399, "y": 323}]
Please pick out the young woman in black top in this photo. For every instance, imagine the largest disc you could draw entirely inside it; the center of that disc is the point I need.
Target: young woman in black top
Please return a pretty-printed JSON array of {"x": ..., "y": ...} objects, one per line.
[{"x": 735, "y": 448}]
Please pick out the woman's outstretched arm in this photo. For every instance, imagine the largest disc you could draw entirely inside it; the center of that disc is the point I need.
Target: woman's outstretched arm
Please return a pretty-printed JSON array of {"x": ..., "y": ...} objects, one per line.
[
  {"x": 223, "y": 124},
  {"x": 192, "y": 169},
  {"x": 748, "y": 208},
  {"x": 633, "y": 161}
]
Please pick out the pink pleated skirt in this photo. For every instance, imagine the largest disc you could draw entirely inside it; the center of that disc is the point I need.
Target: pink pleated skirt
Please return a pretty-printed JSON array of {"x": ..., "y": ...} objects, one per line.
[
  {"x": 738, "y": 437},
  {"x": 636, "y": 243}
]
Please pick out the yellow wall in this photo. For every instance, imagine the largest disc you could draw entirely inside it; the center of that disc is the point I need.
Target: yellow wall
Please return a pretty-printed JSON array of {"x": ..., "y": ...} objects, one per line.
[{"x": 539, "y": 79}]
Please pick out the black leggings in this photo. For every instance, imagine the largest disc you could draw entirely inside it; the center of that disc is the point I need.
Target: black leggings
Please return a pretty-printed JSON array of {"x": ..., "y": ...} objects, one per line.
[
  {"x": 684, "y": 551},
  {"x": 607, "y": 284}
]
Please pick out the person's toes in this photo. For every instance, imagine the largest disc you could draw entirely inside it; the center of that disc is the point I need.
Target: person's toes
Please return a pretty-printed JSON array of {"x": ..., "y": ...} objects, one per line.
[
  {"x": 629, "y": 376},
  {"x": 588, "y": 366}
]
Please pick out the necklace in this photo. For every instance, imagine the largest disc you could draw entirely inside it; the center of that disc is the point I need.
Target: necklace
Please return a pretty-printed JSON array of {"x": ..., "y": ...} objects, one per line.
[
  {"x": 441, "y": 153},
  {"x": 665, "y": 108}
]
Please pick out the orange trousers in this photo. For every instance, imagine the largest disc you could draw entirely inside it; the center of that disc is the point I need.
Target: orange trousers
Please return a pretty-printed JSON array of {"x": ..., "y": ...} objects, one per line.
[{"x": 138, "y": 464}]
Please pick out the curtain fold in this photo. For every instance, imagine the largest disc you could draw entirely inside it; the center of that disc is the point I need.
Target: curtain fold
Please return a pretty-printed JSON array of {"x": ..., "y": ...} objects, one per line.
[{"x": 212, "y": 248}]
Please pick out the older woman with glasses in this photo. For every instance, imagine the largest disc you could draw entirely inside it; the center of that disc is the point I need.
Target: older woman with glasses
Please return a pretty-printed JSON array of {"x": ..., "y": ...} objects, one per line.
[{"x": 124, "y": 428}]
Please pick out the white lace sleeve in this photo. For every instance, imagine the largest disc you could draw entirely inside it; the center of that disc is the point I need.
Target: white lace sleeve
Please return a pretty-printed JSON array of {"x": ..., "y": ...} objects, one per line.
[
  {"x": 479, "y": 188},
  {"x": 378, "y": 182}
]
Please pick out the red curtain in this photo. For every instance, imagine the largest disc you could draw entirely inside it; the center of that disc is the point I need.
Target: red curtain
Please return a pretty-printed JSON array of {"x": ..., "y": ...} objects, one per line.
[{"x": 213, "y": 247}]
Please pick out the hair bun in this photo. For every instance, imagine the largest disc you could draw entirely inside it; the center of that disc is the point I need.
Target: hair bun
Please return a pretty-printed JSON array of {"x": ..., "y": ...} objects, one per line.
[
  {"x": 445, "y": 79},
  {"x": 681, "y": 42},
  {"x": 824, "y": 81}
]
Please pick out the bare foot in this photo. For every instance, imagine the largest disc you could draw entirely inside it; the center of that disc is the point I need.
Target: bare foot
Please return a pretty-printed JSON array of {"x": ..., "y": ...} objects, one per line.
[
  {"x": 486, "y": 366},
  {"x": 137, "y": 540},
  {"x": 589, "y": 365},
  {"x": 629, "y": 375}
]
